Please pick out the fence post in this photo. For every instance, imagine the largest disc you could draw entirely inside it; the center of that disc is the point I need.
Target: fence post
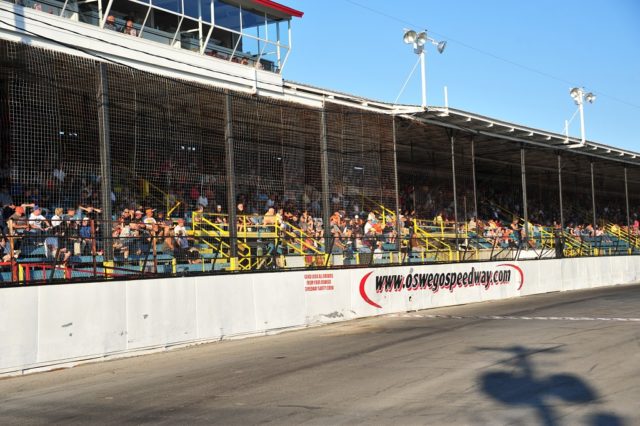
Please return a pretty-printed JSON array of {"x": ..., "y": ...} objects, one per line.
[
  {"x": 560, "y": 191},
  {"x": 626, "y": 199},
  {"x": 473, "y": 172},
  {"x": 105, "y": 161},
  {"x": 231, "y": 183},
  {"x": 452, "y": 139},
  {"x": 399, "y": 225},
  {"x": 324, "y": 170},
  {"x": 525, "y": 208},
  {"x": 593, "y": 196}
]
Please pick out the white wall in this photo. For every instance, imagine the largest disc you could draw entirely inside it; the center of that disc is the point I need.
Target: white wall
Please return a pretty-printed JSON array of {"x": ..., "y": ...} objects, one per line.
[{"x": 41, "y": 327}]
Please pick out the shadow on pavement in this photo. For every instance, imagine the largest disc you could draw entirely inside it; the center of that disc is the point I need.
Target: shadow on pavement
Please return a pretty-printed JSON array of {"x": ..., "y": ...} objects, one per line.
[{"x": 519, "y": 384}]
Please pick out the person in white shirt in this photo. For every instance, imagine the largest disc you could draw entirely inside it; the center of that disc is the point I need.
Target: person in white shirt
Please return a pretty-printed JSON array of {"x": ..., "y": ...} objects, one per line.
[
  {"x": 149, "y": 220},
  {"x": 377, "y": 253},
  {"x": 56, "y": 219},
  {"x": 368, "y": 226},
  {"x": 37, "y": 222},
  {"x": 180, "y": 233}
]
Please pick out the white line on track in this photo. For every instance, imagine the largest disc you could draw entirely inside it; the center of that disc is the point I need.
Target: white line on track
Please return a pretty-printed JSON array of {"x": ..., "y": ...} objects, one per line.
[{"x": 510, "y": 317}]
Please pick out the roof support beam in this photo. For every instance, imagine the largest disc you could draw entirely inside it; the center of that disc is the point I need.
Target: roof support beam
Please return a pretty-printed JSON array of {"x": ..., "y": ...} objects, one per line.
[{"x": 513, "y": 138}]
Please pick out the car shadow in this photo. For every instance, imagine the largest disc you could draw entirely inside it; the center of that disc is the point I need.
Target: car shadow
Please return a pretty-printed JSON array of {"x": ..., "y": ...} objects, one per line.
[{"x": 520, "y": 383}]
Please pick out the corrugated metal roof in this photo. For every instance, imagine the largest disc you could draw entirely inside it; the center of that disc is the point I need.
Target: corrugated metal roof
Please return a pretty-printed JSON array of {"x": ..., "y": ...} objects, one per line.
[{"x": 476, "y": 124}]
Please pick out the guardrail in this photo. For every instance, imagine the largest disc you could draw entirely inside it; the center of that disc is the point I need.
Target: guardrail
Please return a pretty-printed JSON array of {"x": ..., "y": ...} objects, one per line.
[{"x": 34, "y": 252}]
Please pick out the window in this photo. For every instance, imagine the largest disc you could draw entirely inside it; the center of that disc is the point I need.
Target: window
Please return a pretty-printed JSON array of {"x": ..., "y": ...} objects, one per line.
[
  {"x": 226, "y": 15},
  {"x": 198, "y": 9},
  {"x": 170, "y": 5}
]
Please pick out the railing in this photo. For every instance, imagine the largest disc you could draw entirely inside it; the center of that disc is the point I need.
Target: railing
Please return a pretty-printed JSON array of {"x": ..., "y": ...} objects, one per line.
[
  {"x": 183, "y": 39},
  {"x": 33, "y": 252},
  {"x": 630, "y": 238}
]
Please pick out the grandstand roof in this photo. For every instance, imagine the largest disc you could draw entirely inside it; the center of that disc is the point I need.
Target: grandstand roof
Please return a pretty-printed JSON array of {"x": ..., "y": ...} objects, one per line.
[
  {"x": 498, "y": 129},
  {"x": 476, "y": 124}
]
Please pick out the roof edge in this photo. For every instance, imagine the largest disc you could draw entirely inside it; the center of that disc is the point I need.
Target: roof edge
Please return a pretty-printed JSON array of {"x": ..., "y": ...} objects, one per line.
[{"x": 280, "y": 8}]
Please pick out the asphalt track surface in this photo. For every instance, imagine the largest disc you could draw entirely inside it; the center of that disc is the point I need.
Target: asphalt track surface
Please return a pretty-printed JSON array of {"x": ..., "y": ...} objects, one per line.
[{"x": 555, "y": 359}]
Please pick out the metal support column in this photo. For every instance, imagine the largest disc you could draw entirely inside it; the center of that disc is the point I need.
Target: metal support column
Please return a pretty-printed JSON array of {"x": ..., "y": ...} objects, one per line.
[
  {"x": 593, "y": 196},
  {"x": 396, "y": 190},
  {"x": 452, "y": 137},
  {"x": 324, "y": 170},
  {"x": 525, "y": 208},
  {"x": 473, "y": 172},
  {"x": 626, "y": 196},
  {"x": 104, "y": 136},
  {"x": 560, "y": 191},
  {"x": 231, "y": 182}
]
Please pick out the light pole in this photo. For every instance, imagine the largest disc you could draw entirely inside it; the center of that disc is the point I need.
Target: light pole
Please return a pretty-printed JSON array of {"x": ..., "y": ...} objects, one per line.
[
  {"x": 419, "y": 40},
  {"x": 579, "y": 96}
]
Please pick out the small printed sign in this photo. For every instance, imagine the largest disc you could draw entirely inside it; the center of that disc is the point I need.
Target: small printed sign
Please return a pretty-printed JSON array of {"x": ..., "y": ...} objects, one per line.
[{"x": 318, "y": 282}]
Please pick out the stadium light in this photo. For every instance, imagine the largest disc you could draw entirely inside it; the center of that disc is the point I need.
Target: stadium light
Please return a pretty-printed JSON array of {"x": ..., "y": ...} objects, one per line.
[
  {"x": 419, "y": 40},
  {"x": 579, "y": 96},
  {"x": 410, "y": 37}
]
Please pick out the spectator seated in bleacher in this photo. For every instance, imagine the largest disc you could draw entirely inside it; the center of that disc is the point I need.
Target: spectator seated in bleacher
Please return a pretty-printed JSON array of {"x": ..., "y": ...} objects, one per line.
[
  {"x": 5, "y": 250},
  {"x": 85, "y": 234},
  {"x": 181, "y": 246},
  {"x": 270, "y": 218},
  {"x": 122, "y": 237},
  {"x": 37, "y": 222},
  {"x": 128, "y": 28},
  {"x": 111, "y": 24},
  {"x": 53, "y": 248}
]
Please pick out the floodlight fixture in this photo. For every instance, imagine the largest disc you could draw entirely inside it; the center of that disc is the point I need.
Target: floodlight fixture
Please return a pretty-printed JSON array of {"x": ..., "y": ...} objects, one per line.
[
  {"x": 410, "y": 36},
  {"x": 575, "y": 93},
  {"x": 579, "y": 96},
  {"x": 419, "y": 40}
]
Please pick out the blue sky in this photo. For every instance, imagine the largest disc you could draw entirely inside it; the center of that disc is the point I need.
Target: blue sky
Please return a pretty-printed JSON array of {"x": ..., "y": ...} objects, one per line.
[{"x": 511, "y": 60}]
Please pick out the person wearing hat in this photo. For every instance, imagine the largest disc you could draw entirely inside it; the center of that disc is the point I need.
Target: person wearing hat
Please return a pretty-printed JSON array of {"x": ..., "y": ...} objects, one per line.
[
  {"x": 148, "y": 218},
  {"x": 137, "y": 217}
]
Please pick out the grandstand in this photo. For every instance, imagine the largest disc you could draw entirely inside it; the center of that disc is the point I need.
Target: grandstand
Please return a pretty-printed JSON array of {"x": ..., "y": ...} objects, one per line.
[{"x": 179, "y": 149}]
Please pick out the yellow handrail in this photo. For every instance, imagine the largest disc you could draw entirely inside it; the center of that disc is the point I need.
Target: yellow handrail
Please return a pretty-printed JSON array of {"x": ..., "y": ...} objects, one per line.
[
  {"x": 624, "y": 235},
  {"x": 426, "y": 236},
  {"x": 165, "y": 196},
  {"x": 172, "y": 209},
  {"x": 384, "y": 210},
  {"x": 302, "y": 236}
]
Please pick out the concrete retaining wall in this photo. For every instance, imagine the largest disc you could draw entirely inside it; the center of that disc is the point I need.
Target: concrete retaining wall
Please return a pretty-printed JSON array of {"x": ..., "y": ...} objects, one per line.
[{"x": 42, "y": 327}]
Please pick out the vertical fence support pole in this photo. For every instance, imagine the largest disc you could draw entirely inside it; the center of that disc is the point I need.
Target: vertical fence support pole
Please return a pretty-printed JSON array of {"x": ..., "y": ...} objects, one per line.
[
  {"x": 626, "y": 198},
  {"x": 560, "y": 191},
  {"x": 231, "y": 182},
  {"x": 525, "y": 208},
  {"x": 593, "y": 196},
  {"x": 452, "y": 138},
  {"x": 473, "y": 172},
  {"x": 105, "y": 163},
  {"x": 324, "y": 170},
  {"x": 396, "y": 190}
]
